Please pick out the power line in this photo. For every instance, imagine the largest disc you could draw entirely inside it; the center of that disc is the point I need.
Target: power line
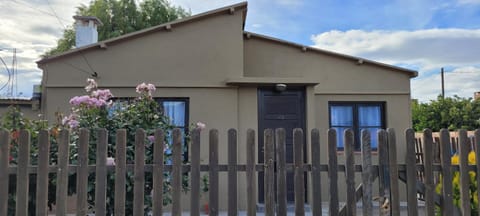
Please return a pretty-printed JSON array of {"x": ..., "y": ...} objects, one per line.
[
  {"x": 55, "y": 13},
  {"x": 35, "y": 9},
  {"x": 15, "y": 71},
  {"x": 8, "y": 71},
  {"x": 77, "y": 68},
  {"x": 93, "y": 73}
]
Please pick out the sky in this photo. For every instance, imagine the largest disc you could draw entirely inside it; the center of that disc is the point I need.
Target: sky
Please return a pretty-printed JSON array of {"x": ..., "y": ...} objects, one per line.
[{"x": 421, "y": 35}]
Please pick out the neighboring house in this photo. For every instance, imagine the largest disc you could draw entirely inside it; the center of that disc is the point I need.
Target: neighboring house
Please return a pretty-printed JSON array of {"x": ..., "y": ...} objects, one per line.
[
  {"x": 207, "y": 68},
  {"x": 30, "y": 108}
]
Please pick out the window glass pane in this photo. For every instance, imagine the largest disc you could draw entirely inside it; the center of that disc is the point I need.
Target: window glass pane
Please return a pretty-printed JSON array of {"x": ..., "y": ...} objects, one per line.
[
  {"x": 117, "y": 106},
  {"x": 175, "y": 110},
  {"x": 373, "y": 136},
  {"x": 341, "y": 116},
  {"x": 340, "y": 131},
  {"x": 369, "y": 116}
]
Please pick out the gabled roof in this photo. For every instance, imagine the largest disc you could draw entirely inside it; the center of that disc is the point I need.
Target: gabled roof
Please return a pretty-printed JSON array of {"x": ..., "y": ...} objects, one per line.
[
  {"x": 305, "y": 48},
  {"x": 163, "y": 27},
  {"x": 224, "y": 10}
]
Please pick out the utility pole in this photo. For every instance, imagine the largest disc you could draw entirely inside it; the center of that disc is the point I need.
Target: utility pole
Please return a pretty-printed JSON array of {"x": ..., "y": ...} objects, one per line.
[{"x": 443, "y": 83}]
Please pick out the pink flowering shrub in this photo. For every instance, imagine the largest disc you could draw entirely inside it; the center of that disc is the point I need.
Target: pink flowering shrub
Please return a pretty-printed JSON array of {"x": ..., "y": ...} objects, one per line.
[
  {"x": 97, "y": 110},
  {"x": 89, "y": 110}
]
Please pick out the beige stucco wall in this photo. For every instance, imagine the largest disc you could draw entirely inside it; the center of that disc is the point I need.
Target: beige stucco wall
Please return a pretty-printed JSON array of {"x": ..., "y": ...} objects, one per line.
[
  {"x": 201, "y": 53},
  {"x": 335, "y": 74}
]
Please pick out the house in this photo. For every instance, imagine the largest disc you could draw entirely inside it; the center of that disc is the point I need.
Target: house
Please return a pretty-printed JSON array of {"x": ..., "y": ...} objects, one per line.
[
  {"x": 207, "y": 68},
  {"x": 30, "y": 108}
]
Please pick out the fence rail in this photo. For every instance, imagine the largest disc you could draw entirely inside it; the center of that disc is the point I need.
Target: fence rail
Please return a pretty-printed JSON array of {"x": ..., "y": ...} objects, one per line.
[{"x": 274, "y": 169}]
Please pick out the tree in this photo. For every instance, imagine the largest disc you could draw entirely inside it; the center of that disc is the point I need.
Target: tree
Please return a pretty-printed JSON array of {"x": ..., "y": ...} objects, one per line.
[
  {"x": 451, "y": 113},
  {"x": 120, "y": 17}
]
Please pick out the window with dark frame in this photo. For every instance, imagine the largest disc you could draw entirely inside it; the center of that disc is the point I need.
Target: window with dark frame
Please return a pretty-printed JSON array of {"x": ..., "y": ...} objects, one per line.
[
  {"x": 176, "y": 109},
  {"x": 357, "y": 116}
]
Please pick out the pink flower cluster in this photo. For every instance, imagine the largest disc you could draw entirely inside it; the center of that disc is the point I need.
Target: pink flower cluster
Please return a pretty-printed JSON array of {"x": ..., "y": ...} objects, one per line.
[
  {"x": 102, "y": 94},
  {"x": 110, "y": 161},
  {"x": 201, "y": 125},
  {"x": 92, "y": 84},
  {"x": 97, "y": 97},
  {"x": 71, "y": 121},
  {"x": 144, "y": 88},
  {"x": 88, "y": 101}
]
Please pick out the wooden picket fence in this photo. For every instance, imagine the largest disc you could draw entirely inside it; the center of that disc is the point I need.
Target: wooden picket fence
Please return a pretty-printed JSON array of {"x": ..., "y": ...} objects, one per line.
[{"x": 275, "y": 198}]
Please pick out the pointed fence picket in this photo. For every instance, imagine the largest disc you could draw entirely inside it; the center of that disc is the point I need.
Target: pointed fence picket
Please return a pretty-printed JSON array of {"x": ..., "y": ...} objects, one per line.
[{"x": 275, "y": 169}]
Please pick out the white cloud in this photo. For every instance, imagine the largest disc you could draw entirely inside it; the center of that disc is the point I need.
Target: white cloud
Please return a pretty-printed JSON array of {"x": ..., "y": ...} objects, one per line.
[
  {"x": 423, "y": 50},
  {"x": 32, "y": 28},
  {"x": 463, "y": 81},
  {"x": 431, "y": 48}
]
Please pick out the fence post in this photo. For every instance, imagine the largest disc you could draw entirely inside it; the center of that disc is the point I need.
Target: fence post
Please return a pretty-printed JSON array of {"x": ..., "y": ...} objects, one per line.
[
  {"x": 62, "y": 173},
  {"x": 447, "y": 188},
  {"x": 139, "y": 173},
  {"x": 316, "y": 174},
  {"x": 281, "y": 172},
  {"x": 250, "y": 173},
  {"x": 120, "y": 171},
  {"x": 232, "y": 172},
  {"x": 464, "y": 175},
  {"x": 410, "y": 160},
  {"x": 4, "y": 161},
  {"x": 382, "y": 169},
  {"x": 299, "y": 175},
  {"x": 392, "y": 157},
  {"x": 22, "y": 173},
  {"x": 477, "y": 157},
  {"x": 269, "y": 173},
  {"x": 349, "y": 145},
  {"x": 333, "y": 172},
  {"x": 213, "y": 172},
  {"x": 42, "y": 174},
  {"x": 195, "y": 173},
  {"x": 367, "y": 174},
  {"x": 101, "y": 173},
  {"x": 177, "y": 172},
  {"x": 82, "y": 172}
]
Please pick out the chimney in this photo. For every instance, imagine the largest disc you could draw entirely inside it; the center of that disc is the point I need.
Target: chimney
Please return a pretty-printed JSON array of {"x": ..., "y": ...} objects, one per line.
[
  {"x": 86, "y": 30},
  {"x": 476, "y": 95}
]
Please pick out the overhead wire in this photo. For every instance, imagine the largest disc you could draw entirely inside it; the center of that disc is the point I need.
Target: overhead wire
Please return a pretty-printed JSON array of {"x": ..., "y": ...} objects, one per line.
[
  {"x": 77, "y": 68},
  {"x": 56, "y": 16},
  {"x": 35, "y": 9},
  {"x": 11, "y": 80},
  {"x": 93, "y": 73},
  {"x": 9, "y": 74}
]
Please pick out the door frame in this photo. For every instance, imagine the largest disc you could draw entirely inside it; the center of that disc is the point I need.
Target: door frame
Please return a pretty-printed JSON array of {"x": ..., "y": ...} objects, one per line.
[{"x": 260, "y": 108}]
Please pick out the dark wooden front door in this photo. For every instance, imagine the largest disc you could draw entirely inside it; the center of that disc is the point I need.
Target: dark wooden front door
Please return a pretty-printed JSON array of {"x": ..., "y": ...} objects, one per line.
[{"x": 280, "y": 110}]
